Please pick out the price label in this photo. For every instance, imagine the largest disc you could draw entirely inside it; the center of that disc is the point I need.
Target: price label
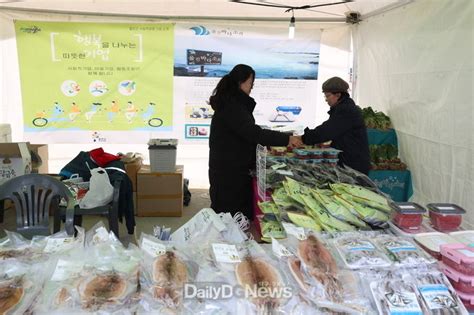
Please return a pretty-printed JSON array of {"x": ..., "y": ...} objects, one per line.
[
  {"x": 294, "y": 230},
  {"x": 66, "y": 270},
  {"x": 226, "y": 253},
  {"x": 154, "y": 249},
  {"x": 406, "y": 207},
  {"x": 56, "y": 244},
  {"x": 279, "y": 250}
]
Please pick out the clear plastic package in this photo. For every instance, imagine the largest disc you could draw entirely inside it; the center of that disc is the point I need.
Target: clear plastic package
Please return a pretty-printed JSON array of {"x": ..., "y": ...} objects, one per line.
[
  {"x": 402, "y": 251},
  {"x": 359, "y": 252},
  {"x": 407, "y": 215}
]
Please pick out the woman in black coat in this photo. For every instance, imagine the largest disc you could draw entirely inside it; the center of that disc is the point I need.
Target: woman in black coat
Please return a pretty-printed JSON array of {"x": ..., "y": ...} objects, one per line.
[
  {"x": 233, "y": 140},
  {"x": 345, "y": 127}
]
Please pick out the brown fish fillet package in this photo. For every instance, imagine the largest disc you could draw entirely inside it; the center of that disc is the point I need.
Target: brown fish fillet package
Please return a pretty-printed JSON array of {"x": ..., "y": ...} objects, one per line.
[
  {"x": 101, "y": 278},
  {"x": 165, "y": 270},
  {"x": 20, "y": 284},
  {"x": 315, "y": 269}
]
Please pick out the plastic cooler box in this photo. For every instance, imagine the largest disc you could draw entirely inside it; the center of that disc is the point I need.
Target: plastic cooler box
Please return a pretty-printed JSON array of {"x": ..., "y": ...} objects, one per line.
[
  {"x": 468, "y": 300},
  {"x": 431, "y": 242},
  {"x": 459, "y": 281},
  {"x": 445, "y": 217},
  {"x": 407, "y": 215},
  {"x": 162, "y": 154},
  {"x": 459, "y": 257}
]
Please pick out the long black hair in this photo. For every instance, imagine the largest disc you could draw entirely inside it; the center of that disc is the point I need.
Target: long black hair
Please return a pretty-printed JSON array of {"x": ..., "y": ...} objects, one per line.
[{"x": 229, "y": 86}]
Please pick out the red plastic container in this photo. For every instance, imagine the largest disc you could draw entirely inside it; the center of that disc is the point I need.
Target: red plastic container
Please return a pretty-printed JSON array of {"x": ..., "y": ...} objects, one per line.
[
  {"x": 407, "y": 215},
  {"x": 468, "y": 300},
  {"x": 445, "y": 217},
  {"x": 459, "y": 257},
  {"x": 459, "y": 281}
]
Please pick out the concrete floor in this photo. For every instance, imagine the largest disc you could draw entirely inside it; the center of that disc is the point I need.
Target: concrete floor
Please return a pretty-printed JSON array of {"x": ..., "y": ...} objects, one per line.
[{"x": 199, "y": 199}]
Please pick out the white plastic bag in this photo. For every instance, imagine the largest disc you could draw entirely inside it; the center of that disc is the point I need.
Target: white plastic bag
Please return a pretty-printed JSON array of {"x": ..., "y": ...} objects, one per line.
[{"x": 100, "y": 190}]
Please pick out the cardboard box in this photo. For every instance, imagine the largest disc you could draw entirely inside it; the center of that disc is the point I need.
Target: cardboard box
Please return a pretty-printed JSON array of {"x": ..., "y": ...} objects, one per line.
[
  {"x": 132, "y": 170},
  {"x": 42, "y": 151},
  {"x": 160, "y": 194},
  {"x": 15, "y": 160}
]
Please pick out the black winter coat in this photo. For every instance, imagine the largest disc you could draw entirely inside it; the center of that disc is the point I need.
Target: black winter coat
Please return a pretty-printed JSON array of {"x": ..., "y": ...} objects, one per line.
[
  {"x": 346, "y": 128},
  {"x": 232, "y": 143},
  {"x": 234, "y": 135}
]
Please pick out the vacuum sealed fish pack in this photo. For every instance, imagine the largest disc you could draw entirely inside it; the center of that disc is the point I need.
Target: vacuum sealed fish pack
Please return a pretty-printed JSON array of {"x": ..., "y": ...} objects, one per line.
[
  {"x": 402, "y": 252},
  {"x": 360, "y": 252},
  {"x": 314, "y": 268},
  {"x": 20, "y": 283},
  {"x": 102, "y": 278},
  {"x": 165, "y": 271}
]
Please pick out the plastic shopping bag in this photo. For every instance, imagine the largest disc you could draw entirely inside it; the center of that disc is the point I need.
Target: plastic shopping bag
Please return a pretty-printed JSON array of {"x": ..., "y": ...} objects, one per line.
[{"x": 100, "y": 190}]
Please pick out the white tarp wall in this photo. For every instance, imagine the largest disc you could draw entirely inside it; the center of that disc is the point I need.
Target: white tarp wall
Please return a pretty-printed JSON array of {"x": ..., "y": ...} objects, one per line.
[
  {"x": 334, "y": 61},
  {"x": 416, "y": 64}
]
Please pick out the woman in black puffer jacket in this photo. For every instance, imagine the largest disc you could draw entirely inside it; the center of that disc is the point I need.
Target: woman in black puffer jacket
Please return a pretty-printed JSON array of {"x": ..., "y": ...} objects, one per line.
[{"x": 233, "y": 140}]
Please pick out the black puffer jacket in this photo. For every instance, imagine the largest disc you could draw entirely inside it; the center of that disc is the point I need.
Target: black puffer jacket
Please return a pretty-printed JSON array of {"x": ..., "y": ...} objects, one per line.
[
  {"x": 234, "y": 135},
  {"x": 346, "y": 128}
]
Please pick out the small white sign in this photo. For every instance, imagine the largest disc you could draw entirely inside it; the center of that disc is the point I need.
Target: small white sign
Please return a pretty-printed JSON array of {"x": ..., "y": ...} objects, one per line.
[
  {"x": 294, "y": 230},
  {"x": 279, "y": 250},
  {"x": 226, "y": 253},
  {"x": 56, "y": 244},
  {"x": 66, "y": 270},
  {"x": 153, "y": 248}
]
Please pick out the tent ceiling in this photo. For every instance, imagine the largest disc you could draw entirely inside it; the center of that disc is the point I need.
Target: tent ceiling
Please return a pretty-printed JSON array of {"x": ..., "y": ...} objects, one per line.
[{"x": 204, "y": 9}]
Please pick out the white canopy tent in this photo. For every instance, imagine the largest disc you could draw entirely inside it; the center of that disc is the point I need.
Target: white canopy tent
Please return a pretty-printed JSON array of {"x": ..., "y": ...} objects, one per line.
[{"x": 412, "y": 60}]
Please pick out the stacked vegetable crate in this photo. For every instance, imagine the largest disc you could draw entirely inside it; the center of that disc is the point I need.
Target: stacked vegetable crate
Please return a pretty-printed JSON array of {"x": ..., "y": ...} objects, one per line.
[{"x": 388, "y": 171}]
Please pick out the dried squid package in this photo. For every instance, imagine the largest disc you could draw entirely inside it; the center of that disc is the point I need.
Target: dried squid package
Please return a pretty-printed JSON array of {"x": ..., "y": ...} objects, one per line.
[
  {"x": 402, "y": 252},
  {"x": 164, "y": 272},
  {"x": 359, "y": 252},
  {"x": 262, "y": 287},
  {"x": 314, "y": 269},
  {"x": 15, "y": 246},
  {"x": 437, "y": 294},
  {"x": 19, "y": 286},
  {"x": 102, "y": 278}
]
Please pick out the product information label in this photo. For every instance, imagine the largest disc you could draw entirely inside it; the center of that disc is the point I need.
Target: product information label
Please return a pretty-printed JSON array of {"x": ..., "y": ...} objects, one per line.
[
  {"x": 437, "y": 296},
  {"x": 466, "y": 252},
  {"x": 294, "y": 230},
  {"x": 66, "y": 270},
  {"x": 153, "y": 248},
  {"x": 226, "y": 253},
  {"x": 279, "y": 250},
  {"x": 56, "y": 244}
]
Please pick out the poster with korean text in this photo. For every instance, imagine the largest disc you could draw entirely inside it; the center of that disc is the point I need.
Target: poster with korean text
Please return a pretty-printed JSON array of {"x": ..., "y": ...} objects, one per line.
[{"x": 95, "y": 82}]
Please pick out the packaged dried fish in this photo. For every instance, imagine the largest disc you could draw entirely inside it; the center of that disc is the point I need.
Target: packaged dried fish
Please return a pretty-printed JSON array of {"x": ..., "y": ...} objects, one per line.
[
  {"x": 394, "y": 296},
  {"x": 164, "y": 272},
  {"x": 403, "y": 252},
  {"x": 359, "y": 252},
  {"x": 437, "y": 294}
]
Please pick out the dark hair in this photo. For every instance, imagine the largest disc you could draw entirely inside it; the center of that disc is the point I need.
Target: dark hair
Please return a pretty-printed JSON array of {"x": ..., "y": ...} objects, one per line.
[{"x": 229, "y": 86}]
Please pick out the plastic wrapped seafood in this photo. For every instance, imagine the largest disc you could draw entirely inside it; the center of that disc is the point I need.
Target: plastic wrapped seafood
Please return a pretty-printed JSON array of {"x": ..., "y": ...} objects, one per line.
[
  {"x": 396, "y": 296},
  {"x": 437, "y": 295},
  {"x": 19, "y": 286},
  {"x": 359, "y": 252},
  {"x": 314, "y": 269},
  {"x": 402, "y": 252},
  {"x": 102, "y": 278},
  {"x": 164, "y": 272}
]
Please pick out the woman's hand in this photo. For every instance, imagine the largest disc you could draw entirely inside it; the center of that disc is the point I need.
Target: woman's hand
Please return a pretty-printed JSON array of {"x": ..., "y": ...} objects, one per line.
[{"x": 295, "y": 142}]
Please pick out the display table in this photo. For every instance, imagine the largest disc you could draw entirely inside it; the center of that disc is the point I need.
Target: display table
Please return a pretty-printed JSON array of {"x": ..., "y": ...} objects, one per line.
[
  {"x": 378, "y": 137},
  {"x": 397, "y": 184}
]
